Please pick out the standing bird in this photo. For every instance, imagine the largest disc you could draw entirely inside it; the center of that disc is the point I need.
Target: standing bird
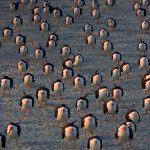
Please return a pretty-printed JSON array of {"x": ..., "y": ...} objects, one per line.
[
  {"x": 65, "y": 51},
  {"x": 110, "y": 4},
  {"x": 67, "y": 63},
  {"x": 79, "y": 82},
  {"x": 145, "y": 26},
  {"x": 116, "y": 58},
  {"x": 78, "y": 60},
  {"x": 117, "y": 92},
  {"x": 96, "y": 80},
  {"x": 53, "y": 36},
  {"x": 28, "y": 80},
  {"x": 79, "y": 3},
  {"x": 22, "y": 66},
  {"x": 23, "y": 51},
  {"x": 95, "y": 14},
  {"x": 90, "y": 40},
  {"x": 13, "y": 131},
  {"x": 144, "y": 62},
  {"x": 20, "y": 40},
  {"x": 69, "y": 20},
  {"x": 40, "y": 53},
  {"x": 26, "y": 103},
  {"x": 7, "y": 32},
  {"x": 94, "y": 143},
  {"x": 141, "y": 13},
  {"x": 62, "y": 113},
  {"x": 70, "y": 133},
  {"x": 103, "y": 34},
  {"x": 23, "y": 3},
  {"x": 42, "y": 95},
  {"x": 32, "y": 4},
  {"x": 89, "y": 123},
  {"x": 142, "y": 47},
  {"x": 111, "y": 24},
  {"x": 77, "y": 11},
  {"x": 107, "y": 47},
  {"x": 6, "y": 85},
  {"x": 36, "y": 19},
  {"x": 44, "y": 27},
  {"x": 115, "y": 74},
  {"x": 88, "y": 29},
  {"x": 48, "y": 68},
  {"x": 47, "y": 8},
  {"x": 131, "y": 125},
  {"x": 14, "y": 6},
  {"x": 67, "y": 73},
  {"x": 146, "y": 104},
  {"x": 145, "y": 83},
  {"x": 57, "y": 87},
  {"x": 145, "y": 3},
  {"x": 82, "y": 103},
  {"x": 51, "y": 43},
  {"x": 2, "y": 140},
  {"x": 125, "y": 68},
  {"x": 94, "y": 4},
  {"x": 124, "y": 134},
  {"x": 57, "y": 13},
  {"x": 17, "y": 22},
  {"x": 36, "y": 10},
  {"x": 110, "y": 107},
  {"x": 132, "y": 115},
  {"x": 101, "y": 94},
  {"x": 136, "y": 6}
]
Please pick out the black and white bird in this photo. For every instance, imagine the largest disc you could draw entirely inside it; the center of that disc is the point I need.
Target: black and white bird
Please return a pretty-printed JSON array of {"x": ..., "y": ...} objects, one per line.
[
  {"x": 20, "y": 40},
  {"x": 67, "y": 73},
  {"x": 146, "y": 104},
  {"x": 102, "y": 94},
  {"x": 111, "y": 23},
  {"x": 22, "y": 66},
  {"x": 132, "y": 115},
  {"x": 136, "y": 6},
  {"x": 142, "y": 47},
  {"x": 36, "y": 10},
  {"x": 103, "y": 34},
  {"x": 131, "y": 125},
  {"x": 96, "y": 80},
  {"x": 17, "y": 22},
  {"x": 2, "y": 140},
  {"x": 88, "y": 29},
  {"x": 145, "y": 26},
  {"x": 94, "y": 143},
  {"x": 78, "y": 60},
  {"x": 57, "y": 13},
  {"x": 146, "y": 75},
  {"x": 57, "y": 87},
  {"x": 141, "y": 13},
  {"x": 79, "y": 82},
  {"x": 42, "y": 95},
  {"x": 144, "y": 62},
  {"x": 67, "y": 63},
  {"x": 115, "y": 74},
  {"x": 116, "y": 58},
  {"x": 82, "y": 104},
  {"x": 125, "y": 68},
  {"x": 145, "y": 83},
  {"x": 110, "y": 107},
  {"x": 14, "y": 6},
  {"x": 13, "y": 131},
  {"x": 110, "y": 4},
  {"x": 117, "y": 92},
  {"x": 23, "y": 51},
  {"x": 90, "y": 40},
  {"x": 65, "y": 51},
  {"x": 62, "y": 113},
  {"x": 69, "y": 20},
  {"x": 124, "y": 134},
  {"x": 51, "y": 43},
  {"x": 47, "y": 8},
  {"x": 48, "y": 68},
  {"x": 44, "y": 26},
  {"x": 40, "y": 53},
  {"x": 89, "y": 123},
  {"x": 23, "y": 3},
  {"x": 95, "y": 14},
  {"x": 28, "y": 80},
  {"x": 53, "y": 36},
  {"x": 6, "y": 85},
  {"x": 95, "y": 4},
  {"x": 7, "y": 32},
  {"x": 32, "y": 4},
  {"x": 70, "y": 133},
  {"x": 36, "y": 19},
  {"x": 145, "y": 3},
  {"x": 79, "y": 3},
  {"x": 107, "y": 47},
  {"x": 77, "y": 11},
  {"x": 26, "y": 103}
]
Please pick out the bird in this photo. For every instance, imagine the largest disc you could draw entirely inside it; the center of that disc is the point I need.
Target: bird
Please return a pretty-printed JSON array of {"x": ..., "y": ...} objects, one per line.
[
  {"x": 36, "y": 10},
  {"x": 22, "y": 66},
  {"x": 51, "y": 43},
  {"x": 96, "y": 79},
  {"x": 145, "y": 83},
  {"x": 141, "y": 13},
  {"x": 133, "y": 115},
  {"x": 131, "y": 125},
  {"x": 48, "y": 68},
  {"x": 88, "y": 29},
  {"x": 89, "y": 123},
  {"x": 77, "y": 11},
  {"x": 17, "y": 22},
  {"x": 145, "y": 26},
  {"x": 36, "y": 19},
  {"x": 57, "y": 13},
  {"x": 57, "y": 87},
  {"x": 95, "y": 14},
  {"x": 53, "y": 36},
  {"x": 79, "y": 3},
  {"x": 69, "y": 20},
  {"x": 107, "y": 47},
  {"x": 103, "y": 34},
  {"x": 117, "y": 92},
  {"x": 142, "y": 47},
  {"x": 144, "y": 3},
  {"x": 146, "y": 104},
  {"x": 116, "y": 58},
  {"x": 82, "y": 104},
  {"x": 32, "y": 4},
  {"x": 20, "y": 40},
  {"x": 62, "y": 113},
  {"x": 78, "y": 60},
  {"x": 110, "y": 107},
  {"x": 115, "y": 74},
  {"x": 44, "y": 27},
  {"x": 67, "y": 63},
  {"x": 47, "y": 8},
  {"x": 67, "y": 73},
  {"x": 111, "y": 24},
  {"x": 124, "y": 134},
  {"x": 42, "y": 95},
  {"x": 3, "y": 140},
  {"x": 125, "y": 68},
  {"x": 144, "y": 62},
  {"x": 90, "y": 40},
  {"x": 110, "y": 4},
  {"x": 6, "y": 85},
  {"x": 7, "y": 32},
  {"x": 23, "y": 51},
  {"x": 79, "y": 82},
  {"x": 95, "y": 4},
  {"x": 40, "y": 53},
  {"x": 13, "y": 131},
  {"x": 136, "y": 6},
  {"x": 94, "y": 143},
  {"x": 28, "y": 80},
  {"x": 26, "y": 103},
  {"x": 65, "y": 51},
  {"x": 14, "y": 6}
]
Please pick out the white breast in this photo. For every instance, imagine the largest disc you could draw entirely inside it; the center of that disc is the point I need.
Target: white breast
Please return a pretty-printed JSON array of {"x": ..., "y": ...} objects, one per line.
[
  {"x": 96, "y": 80},
  {"x": 81, "y": 105},
  {"x": 7, "y": 33},
  {"x": 48, "y": 69},
  {"x": 95, "y": 146},
  {"x": 89, "y": 125},
  {"x": 69, "y": 136},
  {"x": 28, "y": 79}
]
